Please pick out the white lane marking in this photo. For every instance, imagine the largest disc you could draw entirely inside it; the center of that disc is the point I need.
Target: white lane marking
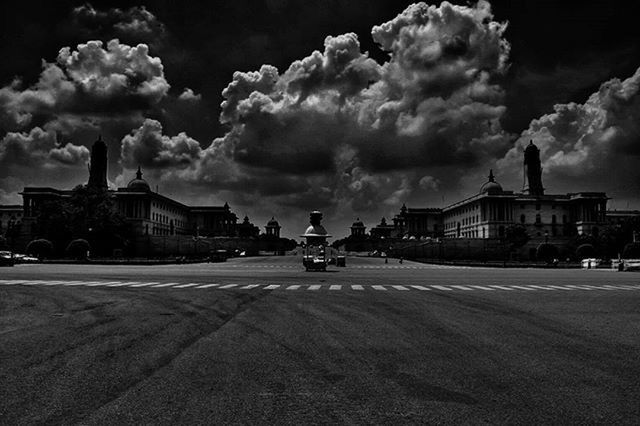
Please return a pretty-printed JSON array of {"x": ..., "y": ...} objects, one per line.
[
  {"x": 99, "y": 283},
  {"x": 293, "y": 287},
  {"x": 186, "y": 285},
  {"x": 54, "y": 282},
  {"x": 439, "y": 287},
  {"x": 617, "y": 287},
  {"x": 420, "y": 287},
  {"x": 335, "y": 287},
  {"x": 269, "y": 287},
  {"x": 523, "y": 288},
  {"x": 580, "y": 287},
  {"x": 542, "y": 288},
  {"x": 236, "y": 285},
  {"x": 500, "y": 287},
  {"x": 209, "y": 285},
  {"x": 357, "y": 287},
  {"x": 598, "y": 288},
  {"x": 165, "y": 285},
  {"x": 560, "y": 287},
  {"x": 31, "y": 282},
  {"x": 400, "y": 287},
  {"x": 483, "y": 288},
  {"x": 461, "y": 287},
  {"x": 144, "y": 284},
  {"x": 314, "y": 287},
  {"x": 120, "y": 284},
  {"x": 246, "y": 287},
  {"x": 378, "y": 287}
]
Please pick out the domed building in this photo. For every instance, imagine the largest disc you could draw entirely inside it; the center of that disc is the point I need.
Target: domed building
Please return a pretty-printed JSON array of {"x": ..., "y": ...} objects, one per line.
[
  {"x": 358, "y": 229},
  {"x": 272, "y": 229},
  {"x": 491, "y": 186},
  {"x": 138, "y": 184},
  {"x": 148, "y": 213},
  {"x": 544, "y": 216}
]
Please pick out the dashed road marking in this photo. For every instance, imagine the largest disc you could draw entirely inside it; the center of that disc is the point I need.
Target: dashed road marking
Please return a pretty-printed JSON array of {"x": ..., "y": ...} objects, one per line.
[
  {"x": 357, "y": 287},
  {"x": 293, "y": 287},
  {"x": 335, "y": 287},
  {"x": 439, "y": 287},
  {"x": 314, "y": 287},
  {"x": 400, "y": 287},
  {"x": 500, "y": 287},
  {"x": 420, "y": 287},
  {"x": 236, "y": 285},
  {"x": 378, "y": 287},
  {"x": 211, "y": 285},
  {"x": 165, "y": 285},
  {"x": 187, "y": 285},
  {"x": 269, "y": 287}
]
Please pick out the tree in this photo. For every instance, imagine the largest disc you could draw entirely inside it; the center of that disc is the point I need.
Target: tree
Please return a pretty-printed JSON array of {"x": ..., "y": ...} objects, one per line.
[
  {"x": 54, "y": 222},
  {"x": 631, "y": 251},
  {"x": 40, "y": 248},
  {"x": 3, "y": 243},
  {"x": 585, "y": 251},
  {"x": 97, "y": 220},
  {"x": 515, "y": 236},
  {"x": 547, "y": 252},
  {"x": 78, "y": 248}
]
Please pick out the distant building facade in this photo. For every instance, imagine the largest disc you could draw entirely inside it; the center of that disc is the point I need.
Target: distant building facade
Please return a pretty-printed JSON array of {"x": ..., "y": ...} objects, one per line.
[
  {"x": 488, "y": 214},
  {"x": 147, "y": 212}
]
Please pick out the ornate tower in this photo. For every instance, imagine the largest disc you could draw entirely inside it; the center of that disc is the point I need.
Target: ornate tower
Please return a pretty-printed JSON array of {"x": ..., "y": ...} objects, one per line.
[
  {"x": 98, "y": 166},
  {"x": 533, "y": 170},
  {"x": 273, "y": 228}
]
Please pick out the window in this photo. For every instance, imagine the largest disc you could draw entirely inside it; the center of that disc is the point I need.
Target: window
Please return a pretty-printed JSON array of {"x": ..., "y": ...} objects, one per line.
[
  {"x": 537, "y": 206},
  {"x": 501, "y": 231},
  {"x": 553, "y": 219},
  {"x": 538, "y": 219},
  {"x": 522, "y": 218}
]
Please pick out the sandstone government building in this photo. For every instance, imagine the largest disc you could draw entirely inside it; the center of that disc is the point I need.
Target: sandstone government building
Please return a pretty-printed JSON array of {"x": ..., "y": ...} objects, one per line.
[{"x": 161, "y": 225}]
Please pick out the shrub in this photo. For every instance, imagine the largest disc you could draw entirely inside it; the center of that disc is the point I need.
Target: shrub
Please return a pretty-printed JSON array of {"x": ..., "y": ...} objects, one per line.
[
  {"x": 78, "y": 249},
  {"x": 585, "y": 251},
  {"x": 40, "y": 248},
  {"x": 631, "y": 251},
  {"x": 547, "y": 252}
]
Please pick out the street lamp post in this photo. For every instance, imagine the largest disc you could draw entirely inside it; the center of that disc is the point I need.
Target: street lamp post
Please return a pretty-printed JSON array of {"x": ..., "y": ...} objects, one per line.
[{"x": 546, "y": 237}]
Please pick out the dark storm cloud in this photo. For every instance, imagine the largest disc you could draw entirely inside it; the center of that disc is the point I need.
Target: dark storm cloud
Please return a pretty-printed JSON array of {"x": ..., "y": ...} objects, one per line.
[
  {"x": 135, "y": 24},
  {"x": 116, "y": 80},
  {"x": 338, "y": 128},
  {"x": 595, "y": 144},
  {"x": 38, "y": 148},
  {"x": 148, "y": 147}
]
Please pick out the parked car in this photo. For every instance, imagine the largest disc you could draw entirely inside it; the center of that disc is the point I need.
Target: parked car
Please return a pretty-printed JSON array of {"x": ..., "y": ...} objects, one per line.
[{"x": 5, "y": 259}]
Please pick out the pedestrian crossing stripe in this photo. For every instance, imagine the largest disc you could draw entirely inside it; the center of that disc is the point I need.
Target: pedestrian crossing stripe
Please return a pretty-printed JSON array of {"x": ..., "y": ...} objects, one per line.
[{"x": 151, "y": 285}]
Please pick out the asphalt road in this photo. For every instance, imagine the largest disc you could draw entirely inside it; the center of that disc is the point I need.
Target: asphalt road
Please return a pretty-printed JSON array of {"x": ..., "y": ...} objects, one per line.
[{"x": 260, "y": 341}]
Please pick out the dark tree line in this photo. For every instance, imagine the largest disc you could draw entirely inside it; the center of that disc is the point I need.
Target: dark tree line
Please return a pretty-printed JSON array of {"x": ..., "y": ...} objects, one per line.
[{"x": 90, "y": 214}]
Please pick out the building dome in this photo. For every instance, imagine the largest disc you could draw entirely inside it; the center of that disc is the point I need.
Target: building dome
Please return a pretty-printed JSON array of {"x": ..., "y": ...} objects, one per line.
[
  {"x": 273, "y": 222},
  {"x": 138, "y": 184},
  {"x": 357, "y": 224},
  {"x": 491, "y": 187}
]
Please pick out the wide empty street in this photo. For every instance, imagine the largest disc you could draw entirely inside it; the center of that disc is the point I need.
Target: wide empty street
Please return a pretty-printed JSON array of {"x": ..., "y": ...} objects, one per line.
[{"x": 261, "y": 341}]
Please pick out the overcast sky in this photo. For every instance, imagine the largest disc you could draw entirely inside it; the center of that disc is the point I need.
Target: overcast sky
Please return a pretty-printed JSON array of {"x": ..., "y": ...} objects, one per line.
[{"x": 350, "y": 107}]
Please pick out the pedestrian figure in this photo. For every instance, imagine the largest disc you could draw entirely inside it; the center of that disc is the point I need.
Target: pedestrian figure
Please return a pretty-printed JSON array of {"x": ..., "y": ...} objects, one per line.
[
  {"x": 401, "y": 259},
  {"x": 386, "y": 260}
]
